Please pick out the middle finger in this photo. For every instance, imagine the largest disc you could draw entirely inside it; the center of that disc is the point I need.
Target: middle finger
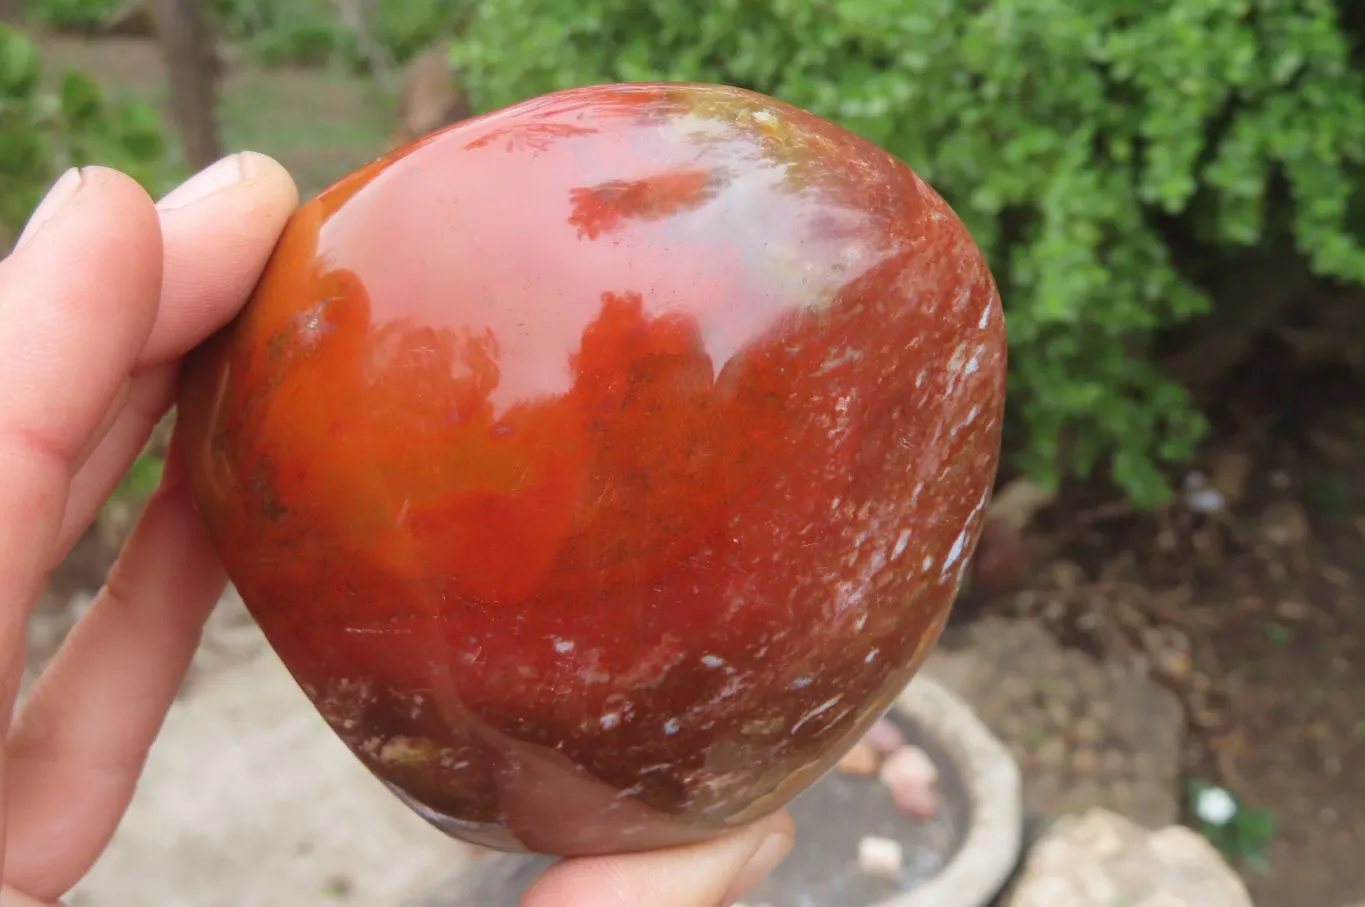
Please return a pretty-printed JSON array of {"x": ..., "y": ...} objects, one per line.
[
  {"x": 99, "y": 474},
  {"x": 218, "y": 231}
]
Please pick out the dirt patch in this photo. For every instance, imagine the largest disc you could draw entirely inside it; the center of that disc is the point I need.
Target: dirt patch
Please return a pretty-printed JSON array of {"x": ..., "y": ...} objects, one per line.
[
  {"x": 1246, "y": 598},
  {"x": 1086, "y": 733}
]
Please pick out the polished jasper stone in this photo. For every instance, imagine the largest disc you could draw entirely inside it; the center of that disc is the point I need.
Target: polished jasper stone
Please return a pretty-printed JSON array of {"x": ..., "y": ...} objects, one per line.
[{"x": 602, "y": 467}]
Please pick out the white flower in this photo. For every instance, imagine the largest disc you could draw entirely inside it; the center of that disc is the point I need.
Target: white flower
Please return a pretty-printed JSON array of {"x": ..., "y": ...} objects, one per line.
[{"x": 1215, "y": 806}]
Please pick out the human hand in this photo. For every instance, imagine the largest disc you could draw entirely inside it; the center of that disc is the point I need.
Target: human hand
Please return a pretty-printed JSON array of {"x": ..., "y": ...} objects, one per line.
[{"x": 101, "y": 297}]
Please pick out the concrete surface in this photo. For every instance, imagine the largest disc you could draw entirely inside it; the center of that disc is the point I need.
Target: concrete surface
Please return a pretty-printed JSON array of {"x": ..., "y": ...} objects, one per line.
[{"x": 249, "y": 800}]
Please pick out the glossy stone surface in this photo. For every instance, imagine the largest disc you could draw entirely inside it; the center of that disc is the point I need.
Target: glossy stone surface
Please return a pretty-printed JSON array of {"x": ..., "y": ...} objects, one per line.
[{"x": 603, "y": 467}]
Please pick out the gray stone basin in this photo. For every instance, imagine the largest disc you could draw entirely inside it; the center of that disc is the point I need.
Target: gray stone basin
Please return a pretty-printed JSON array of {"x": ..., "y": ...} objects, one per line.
[{"x": 961, "y": 857}]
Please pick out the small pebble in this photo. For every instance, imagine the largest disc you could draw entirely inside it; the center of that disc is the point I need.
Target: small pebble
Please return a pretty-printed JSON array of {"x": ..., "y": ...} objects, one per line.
[
  {"x": 909, "y": 763},
  {"x": 912, "y": 778},
  {"x": 916, "y": 802},
  {"x": 862, "y": 760},
  {"x": 884, "y": 737},
  {"x": 880, "y": 857}
]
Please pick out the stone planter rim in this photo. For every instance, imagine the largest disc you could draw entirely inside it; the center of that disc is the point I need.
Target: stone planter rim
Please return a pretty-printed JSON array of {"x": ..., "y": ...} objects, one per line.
[
  {"x": 989, "y": 852},
  {"x": 974, "y": 875}
]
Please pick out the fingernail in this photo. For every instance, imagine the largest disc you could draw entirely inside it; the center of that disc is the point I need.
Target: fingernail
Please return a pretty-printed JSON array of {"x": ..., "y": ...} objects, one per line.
[
  {"x": 216, "y": 177},
  {"x": 60, "y": 193},
  {"x": 769, "y": 855}
]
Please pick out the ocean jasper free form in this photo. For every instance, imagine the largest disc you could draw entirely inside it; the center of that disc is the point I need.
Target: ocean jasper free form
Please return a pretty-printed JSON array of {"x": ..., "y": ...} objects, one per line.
[{"x": 602, "y": 467}]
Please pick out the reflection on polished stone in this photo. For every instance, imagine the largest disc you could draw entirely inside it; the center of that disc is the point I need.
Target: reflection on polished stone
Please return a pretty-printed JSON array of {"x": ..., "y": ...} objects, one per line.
[{"x": 603, "y": 467}]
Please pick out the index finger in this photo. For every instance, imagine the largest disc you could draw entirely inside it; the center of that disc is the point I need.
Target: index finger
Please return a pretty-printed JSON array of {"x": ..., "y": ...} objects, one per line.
[
  {"x": 214, "y": 252},
  {"x": 78, "y": 299},
  {"x": 77, "y": 302}
]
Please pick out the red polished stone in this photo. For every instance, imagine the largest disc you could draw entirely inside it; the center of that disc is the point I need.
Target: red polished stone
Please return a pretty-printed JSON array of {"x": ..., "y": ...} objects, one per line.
[{"x": 603, "y": 467}]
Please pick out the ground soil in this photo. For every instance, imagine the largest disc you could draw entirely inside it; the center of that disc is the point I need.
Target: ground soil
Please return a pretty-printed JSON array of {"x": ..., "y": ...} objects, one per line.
[{"x": 1253, "y": 612}]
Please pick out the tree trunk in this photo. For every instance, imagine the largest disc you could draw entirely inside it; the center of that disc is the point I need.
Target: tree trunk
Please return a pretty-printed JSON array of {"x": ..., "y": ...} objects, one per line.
[{"x": 187, "y": 46}]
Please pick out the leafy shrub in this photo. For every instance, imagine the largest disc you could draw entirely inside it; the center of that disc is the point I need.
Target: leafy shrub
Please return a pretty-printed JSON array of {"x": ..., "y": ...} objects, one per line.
[
  {"x": 297, "y": 31},
  {"x": 1094, "y": 149},
  {"x": 42, "y": 132},
  {"x": 1242, "y": 833},
  {"x": 311, "y": 31},
  {"x": 408, "y": 27},
  {"x": 72, "y": 14}
]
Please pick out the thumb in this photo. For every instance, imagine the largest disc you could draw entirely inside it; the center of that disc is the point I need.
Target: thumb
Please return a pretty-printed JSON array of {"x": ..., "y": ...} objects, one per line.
[{"x": 713, "y": 873}]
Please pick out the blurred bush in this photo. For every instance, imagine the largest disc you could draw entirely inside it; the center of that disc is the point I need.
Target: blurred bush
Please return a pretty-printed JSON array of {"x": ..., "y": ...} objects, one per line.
[
  {"x": 313, "y": 31},
  {"x": 408, "y": 27},
  {"x": 71, "y": 15},
  {"x": 300, "y": 32},
  {"x": 297, "y": 31},
  {"x": 44, "y": 130},
  {"x": 1115, "y": 160}
]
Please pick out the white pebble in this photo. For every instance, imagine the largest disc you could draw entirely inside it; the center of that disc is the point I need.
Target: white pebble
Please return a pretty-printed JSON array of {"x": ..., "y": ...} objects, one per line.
[
  {"x": 1215, "y": 806},
  {"x": 880, "y": 857}
]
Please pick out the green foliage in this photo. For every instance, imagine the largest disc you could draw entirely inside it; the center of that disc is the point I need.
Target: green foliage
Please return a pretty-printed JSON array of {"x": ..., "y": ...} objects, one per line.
[
  {"x": 408, "y": 27},
  {"x": 1076, "y": 141},
  {"x": 141, "y": 479},
  {"x": 1242, "y": 833},
  {"x": 71, "y": 14},
  {"x": 43, "y": 131},
  {"x": 297, "y": 31},
  {"x": 310, "y": 31}
]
